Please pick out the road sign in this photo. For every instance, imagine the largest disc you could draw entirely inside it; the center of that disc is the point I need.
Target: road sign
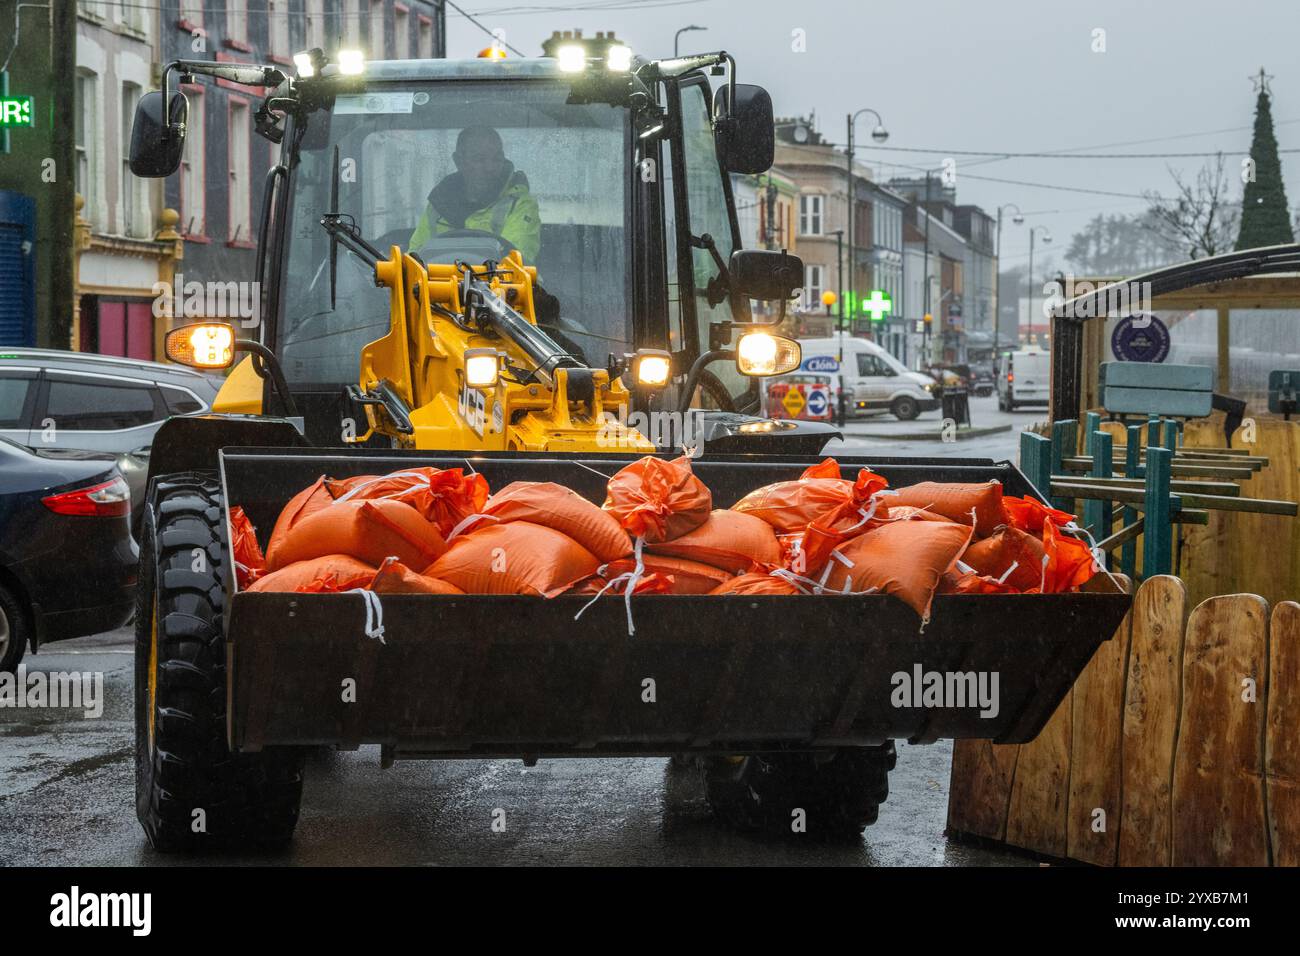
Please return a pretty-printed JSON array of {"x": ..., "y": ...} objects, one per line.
[
  {"x": 1140, "y": 338},
  {"x": 793, "y": 402},
  {"x": 821, "y": 363},
  {"x": 818, "y": 401}
]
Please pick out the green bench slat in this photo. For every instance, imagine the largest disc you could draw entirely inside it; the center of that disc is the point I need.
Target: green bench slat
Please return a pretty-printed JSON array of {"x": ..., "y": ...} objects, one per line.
[
  {"x": 1195, "y": 378},
  {"x": 1161, "y": 401}
]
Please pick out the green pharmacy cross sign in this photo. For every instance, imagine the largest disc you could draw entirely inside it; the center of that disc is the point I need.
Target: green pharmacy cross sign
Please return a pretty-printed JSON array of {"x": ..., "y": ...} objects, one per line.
[
  {"x": 16, "y": 111},
  {"x": 878, "y": 304}
]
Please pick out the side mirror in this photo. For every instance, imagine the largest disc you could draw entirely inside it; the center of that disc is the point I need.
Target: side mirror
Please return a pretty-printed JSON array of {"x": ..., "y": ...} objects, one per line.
[
  {"x": 156, "y": 143},
  {"x": 765, "y": 274},
  {"x": 745, "y": 134}
]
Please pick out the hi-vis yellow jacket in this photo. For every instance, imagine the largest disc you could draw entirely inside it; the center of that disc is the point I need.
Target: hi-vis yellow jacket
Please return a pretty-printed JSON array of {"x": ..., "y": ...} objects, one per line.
[{"x": 512, "y": 215}]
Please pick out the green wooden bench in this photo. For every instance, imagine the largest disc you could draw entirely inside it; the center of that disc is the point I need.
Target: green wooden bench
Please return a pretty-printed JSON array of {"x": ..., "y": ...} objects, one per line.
[{"x": 1149, "y": 388}]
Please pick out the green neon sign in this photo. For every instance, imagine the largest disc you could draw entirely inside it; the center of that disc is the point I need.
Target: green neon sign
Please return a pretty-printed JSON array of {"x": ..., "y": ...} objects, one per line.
[
  {"x": 878, "y": 304},
  {"x": 17, "y": 111}
]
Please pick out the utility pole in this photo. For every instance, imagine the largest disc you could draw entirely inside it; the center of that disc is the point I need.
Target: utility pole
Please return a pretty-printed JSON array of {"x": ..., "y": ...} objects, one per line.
[{"x": 879, "y": 134}]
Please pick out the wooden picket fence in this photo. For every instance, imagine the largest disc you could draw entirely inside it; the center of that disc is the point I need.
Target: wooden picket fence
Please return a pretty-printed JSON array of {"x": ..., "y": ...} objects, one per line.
[{"x": 1178, "y": 745}]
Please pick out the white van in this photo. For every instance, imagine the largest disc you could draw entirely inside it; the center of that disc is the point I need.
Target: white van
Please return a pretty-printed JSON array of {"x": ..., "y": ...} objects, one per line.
[
  {"x": 873, "y": 379},
  {"x": 1023, "y": 378}
]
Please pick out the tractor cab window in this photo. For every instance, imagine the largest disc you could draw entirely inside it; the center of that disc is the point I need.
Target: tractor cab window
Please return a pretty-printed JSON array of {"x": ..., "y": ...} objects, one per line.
[{"x": 459, "y": 171}]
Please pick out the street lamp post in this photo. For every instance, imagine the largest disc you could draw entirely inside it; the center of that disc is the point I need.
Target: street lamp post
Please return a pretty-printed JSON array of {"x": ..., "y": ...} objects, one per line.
[
  {"x": 839, "y": 277},
  {"x": 678, "y": 35},
  {"x": 879, "y": 134},
  {"x": 1017, "y": 218},
  {"x": 1029, "y": 318}
]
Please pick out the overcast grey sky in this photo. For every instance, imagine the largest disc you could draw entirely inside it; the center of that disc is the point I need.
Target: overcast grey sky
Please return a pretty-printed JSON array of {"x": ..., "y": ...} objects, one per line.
[{"x": 1015, "y": 75}]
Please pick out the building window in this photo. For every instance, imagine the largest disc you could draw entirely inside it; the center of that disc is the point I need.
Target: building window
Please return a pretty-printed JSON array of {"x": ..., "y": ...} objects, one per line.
[
  {"x": 191, "y": 11},
  {"x": 237, "y": 21},
  {"x": 135, "y": 210},
  {"x": 401, "y": 32},
  {"x": 193, "y": 193},
  {"x": 277, "y": 27},
  {"x": 240, "y": 196},
  {"x": 86, "y": 144},
  {"x": 812, "y": 287},
  {"x": 377, "y": 29},
  {"x": 315, "y": 24},
  {"x": 133, "y": 15},
  {"x": 426, "y": 38},
  {"x": 810, "y": 215}
]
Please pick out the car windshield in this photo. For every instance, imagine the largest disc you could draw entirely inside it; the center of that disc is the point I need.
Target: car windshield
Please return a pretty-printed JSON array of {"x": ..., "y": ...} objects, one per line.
[{"x": 458, "y": 170}]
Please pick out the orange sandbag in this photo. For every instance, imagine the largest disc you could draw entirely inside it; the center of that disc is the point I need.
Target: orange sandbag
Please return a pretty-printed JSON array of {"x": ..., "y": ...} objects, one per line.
[
  {"x": 864, "y": 510},
  {"x": 955, "y": 500},
  {"x": 729, "y": 540},
  {"x": 370, "y": 531},
  {"x": 329, "y": 573},
  {"x": 756, "y": 584},
  {"x": 971, "y": 583},
  {"x": 1008, "y": 549},
  {"x": 905, "y": 558},
  {"x": 658, "y": 500},
  {"x": 302, "y": 505},
  {"x": 689, "y": 577},
  {"x": 790, "y": 506},
  {"x": 911, "y": 513},
  {"x": 249, "y": 561},
  {"x": 1070, "y": 563},
  {"x": 518, "y": 557},
  {"x": 1030, "y": 514},
  {"x": 651, "y": 583},
  {"x": 552, "y": 505},
  {"x": 393, "y": 577},
  {"x": 445, "y": 497}
]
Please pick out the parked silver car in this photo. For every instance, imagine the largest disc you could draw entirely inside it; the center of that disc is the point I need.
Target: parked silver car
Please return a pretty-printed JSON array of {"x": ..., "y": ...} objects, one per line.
[
  {"x": 79, "y": 400},
  {"x": 56, "y": 399}
]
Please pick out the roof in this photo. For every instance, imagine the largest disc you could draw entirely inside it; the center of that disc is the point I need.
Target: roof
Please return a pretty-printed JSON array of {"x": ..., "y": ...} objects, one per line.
[{"x": 41, "y": 358}]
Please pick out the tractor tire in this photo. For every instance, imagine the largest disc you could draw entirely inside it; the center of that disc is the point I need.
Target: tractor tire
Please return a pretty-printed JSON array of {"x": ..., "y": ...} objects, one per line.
[
  {"x": 840, "y": 796},
  {"x": 191, "y": 791}
]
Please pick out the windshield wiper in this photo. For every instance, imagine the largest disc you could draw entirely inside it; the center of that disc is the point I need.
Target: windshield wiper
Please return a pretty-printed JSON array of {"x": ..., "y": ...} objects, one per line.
[
  {"x": 343, "y": 230},
  {"x": 719, "y": 286}
]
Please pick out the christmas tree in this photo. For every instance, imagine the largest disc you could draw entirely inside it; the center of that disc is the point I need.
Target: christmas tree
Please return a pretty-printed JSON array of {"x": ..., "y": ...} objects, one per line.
[{"x": 1265, "y": 218}]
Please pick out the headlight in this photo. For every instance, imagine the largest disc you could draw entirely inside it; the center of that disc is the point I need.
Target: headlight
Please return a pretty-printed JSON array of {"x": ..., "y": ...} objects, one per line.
[
  {"x": 619, "y": 58},
  {"x": 206, "y": 345},
  {"x": 930, "y": 387},
  {"x": 652, "y": 368},
  {"x": 482, "y": 368},
  {"x": 351, "y": 62},
  {"x": 572, "y": 58},
  {"x": 762, "y": 353}
]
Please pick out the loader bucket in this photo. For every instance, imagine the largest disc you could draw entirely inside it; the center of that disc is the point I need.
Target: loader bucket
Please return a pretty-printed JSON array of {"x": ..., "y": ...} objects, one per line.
[{"x": 516, "y": 675}]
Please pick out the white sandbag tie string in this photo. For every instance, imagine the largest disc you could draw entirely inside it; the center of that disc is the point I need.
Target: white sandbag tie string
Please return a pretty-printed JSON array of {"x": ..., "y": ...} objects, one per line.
[
  {"x": 630, "y": 578},
  {"x": 1098, "y": 555},
  {"x": 465, "y": 523},
  {"x": 420, "y": 479},
  {"x": 1007, "y": 573},
  {"x": 374, "y": 614}
]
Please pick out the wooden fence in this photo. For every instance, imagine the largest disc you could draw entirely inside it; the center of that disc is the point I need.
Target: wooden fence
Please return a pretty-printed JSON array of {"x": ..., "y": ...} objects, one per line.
[{"x": 1178, "y": 745}]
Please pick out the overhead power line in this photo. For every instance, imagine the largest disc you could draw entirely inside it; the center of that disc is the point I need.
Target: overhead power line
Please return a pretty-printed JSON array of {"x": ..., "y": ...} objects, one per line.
[{"x": 1013, "y": 155}]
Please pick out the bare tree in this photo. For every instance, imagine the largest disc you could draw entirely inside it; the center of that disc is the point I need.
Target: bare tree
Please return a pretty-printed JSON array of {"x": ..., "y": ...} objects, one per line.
[{"x": 1200, "y": 217}]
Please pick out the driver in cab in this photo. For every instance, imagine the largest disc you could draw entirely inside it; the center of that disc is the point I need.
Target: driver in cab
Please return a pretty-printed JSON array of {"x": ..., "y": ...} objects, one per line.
[{"x": 486, "y": 194}]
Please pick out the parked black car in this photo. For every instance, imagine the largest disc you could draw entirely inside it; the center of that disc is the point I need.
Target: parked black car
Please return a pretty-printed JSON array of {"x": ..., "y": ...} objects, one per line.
[{"x": 67, "y": 558}]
